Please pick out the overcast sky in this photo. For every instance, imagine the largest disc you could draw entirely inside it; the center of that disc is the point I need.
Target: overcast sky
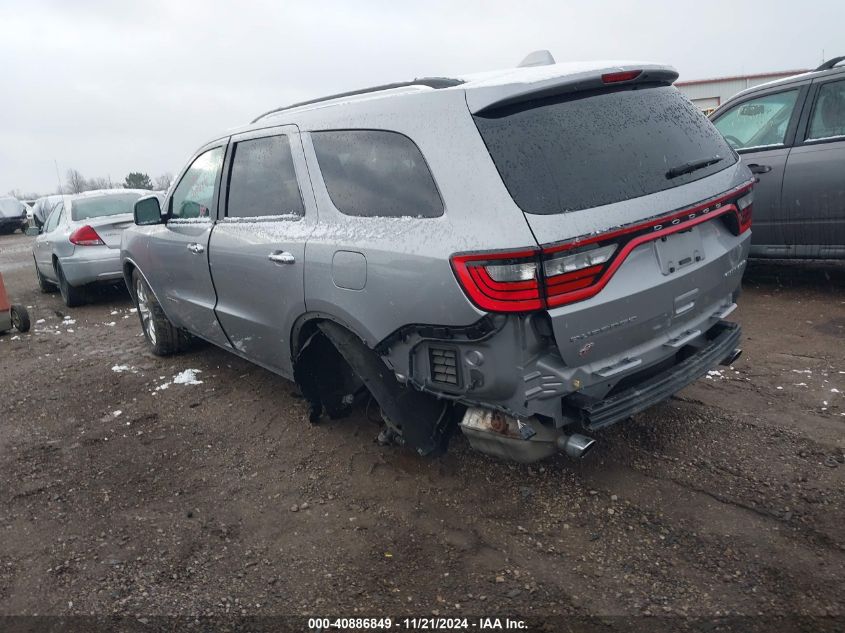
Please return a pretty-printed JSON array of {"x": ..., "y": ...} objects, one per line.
[{"x": 112, "y": 87}]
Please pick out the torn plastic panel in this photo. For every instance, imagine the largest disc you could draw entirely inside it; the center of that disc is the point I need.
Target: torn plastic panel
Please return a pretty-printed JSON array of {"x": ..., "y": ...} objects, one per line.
[{"x": 333, "y": 386}]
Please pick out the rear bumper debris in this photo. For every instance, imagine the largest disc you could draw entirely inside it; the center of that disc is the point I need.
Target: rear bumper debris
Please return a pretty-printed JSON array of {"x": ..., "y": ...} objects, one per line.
[{"x": 620, "y": 406}]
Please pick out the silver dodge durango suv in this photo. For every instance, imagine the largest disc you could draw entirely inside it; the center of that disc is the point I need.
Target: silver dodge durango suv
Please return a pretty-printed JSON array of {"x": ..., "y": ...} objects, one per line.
[{"x": 528, "y": 254}]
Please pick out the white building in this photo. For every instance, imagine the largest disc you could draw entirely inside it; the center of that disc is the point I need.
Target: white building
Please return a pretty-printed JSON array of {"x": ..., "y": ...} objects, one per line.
[{"x": 709, "y": 94}]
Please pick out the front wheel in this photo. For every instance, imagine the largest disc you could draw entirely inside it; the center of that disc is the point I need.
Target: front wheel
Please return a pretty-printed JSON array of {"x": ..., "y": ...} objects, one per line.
[
  {"x": 20, "y": 318},
  {"x": 73, "y": 296},
  {"x": 164, "y": 338}
]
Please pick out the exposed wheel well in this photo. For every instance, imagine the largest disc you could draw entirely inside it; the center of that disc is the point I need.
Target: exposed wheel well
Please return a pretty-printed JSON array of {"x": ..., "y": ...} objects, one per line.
[
  {"x": 326, "y": 379},
  {"x": 334, "y": 366}
]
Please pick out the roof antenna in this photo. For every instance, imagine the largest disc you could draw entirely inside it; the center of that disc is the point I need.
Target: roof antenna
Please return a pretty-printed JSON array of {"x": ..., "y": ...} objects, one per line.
[
  {"x": 58, "y": 178},
  {"x": 537, "y": 58}
]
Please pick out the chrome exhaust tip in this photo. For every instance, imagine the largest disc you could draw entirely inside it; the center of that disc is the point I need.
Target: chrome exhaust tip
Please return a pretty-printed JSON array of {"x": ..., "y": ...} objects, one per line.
[
  {"x": 732, "y": 357},
  {"x": 575, "y": 445}
]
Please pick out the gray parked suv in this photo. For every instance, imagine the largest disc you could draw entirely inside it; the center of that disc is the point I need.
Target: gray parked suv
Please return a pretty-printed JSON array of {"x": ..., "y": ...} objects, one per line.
[
  {"x": 791, "y": 133},
  {"x": 532, "y": 252}
]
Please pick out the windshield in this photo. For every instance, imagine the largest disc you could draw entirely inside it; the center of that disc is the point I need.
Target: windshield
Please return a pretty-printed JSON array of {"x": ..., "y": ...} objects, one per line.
[
  {"x": 10, "y": 208},
  {"x": 573, "y": 152},
  {"x": 100, "y": 206}
]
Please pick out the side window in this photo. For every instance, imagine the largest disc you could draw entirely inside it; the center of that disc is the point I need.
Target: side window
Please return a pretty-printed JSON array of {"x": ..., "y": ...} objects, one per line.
[
  {"x": 263, "y": 180},
  {"x": 376, "y": 173},
  {"x": 53, "y": 220},
  {"x": 758, "y": 122},
  {"x": 828, "y": 118},
  {"x": 194, "y": 195}
]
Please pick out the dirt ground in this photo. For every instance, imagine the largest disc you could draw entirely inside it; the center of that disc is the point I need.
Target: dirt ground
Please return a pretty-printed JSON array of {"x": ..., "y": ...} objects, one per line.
[{"x": 122, "y": 491}]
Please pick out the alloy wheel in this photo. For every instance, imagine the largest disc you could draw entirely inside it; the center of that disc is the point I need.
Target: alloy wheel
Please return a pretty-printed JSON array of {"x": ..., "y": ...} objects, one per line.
[{"x": 146, "y": 313}]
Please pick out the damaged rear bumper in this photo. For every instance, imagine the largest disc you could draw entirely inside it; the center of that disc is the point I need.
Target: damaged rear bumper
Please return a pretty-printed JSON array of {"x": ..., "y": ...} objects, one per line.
[
  {"x": 597, "y": 414},
  {"x": 528, "y": 440}
]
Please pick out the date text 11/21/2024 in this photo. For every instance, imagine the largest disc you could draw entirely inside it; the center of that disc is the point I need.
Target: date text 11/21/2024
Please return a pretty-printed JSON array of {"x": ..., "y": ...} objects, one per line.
[{"x": 416, "y": 624}]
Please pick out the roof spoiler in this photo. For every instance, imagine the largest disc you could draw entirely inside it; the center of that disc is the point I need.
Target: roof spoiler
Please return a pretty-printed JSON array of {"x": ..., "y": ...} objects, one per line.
[
  {"x": 830, "y": 63},
  {"x": 519, "y": 90}
]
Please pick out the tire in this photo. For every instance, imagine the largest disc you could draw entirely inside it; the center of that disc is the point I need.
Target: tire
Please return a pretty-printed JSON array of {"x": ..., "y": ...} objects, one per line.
[
  {"x": 20, "y": 318},
  {"x": 73, "y": 296},
  {"x": 44, "y": 285},
  {"x": 163, "y": 337}
]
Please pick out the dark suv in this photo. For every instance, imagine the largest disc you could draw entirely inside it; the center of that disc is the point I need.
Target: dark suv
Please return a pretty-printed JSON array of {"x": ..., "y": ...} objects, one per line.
[{"x": 791, "y": 133}]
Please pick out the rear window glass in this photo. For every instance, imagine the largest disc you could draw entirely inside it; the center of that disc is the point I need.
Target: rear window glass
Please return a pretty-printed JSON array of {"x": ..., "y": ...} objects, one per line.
[
  {"x": 376, "y": 173},
  {"x": 263, "y": 180},
  {"x": 85, "y": 208},
  {"x": 568, "y": 153}
]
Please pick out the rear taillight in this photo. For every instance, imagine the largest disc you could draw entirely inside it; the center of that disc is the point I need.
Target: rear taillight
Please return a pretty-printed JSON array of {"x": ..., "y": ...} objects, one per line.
[
  {"x": 85, "y": 236},
  {"x": 745, "y": 205},
  {"x": 568, "y": 271},
  {"x": 626, "y": 75},
  {"x": 500, "y": 282},
  {"x": 535, "y": 279}
]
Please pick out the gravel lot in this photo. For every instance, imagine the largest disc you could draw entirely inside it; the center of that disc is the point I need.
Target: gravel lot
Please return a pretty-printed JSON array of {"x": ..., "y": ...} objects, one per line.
[{"x": 126, "y": 491}]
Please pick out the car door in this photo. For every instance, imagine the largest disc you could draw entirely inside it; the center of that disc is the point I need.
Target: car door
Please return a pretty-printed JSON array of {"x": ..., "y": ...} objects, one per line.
[
  {"x": 814, "y": 182},
  {"x": 43, "y": 245},
  {"x": 257, "y": 249},
  {"x": 761, "y": 128},
  {"x": 180, "y": 247}
]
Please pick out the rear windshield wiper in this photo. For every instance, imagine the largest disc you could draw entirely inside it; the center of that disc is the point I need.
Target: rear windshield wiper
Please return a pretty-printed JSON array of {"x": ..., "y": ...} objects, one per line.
[{"x": 693, "y": 165}]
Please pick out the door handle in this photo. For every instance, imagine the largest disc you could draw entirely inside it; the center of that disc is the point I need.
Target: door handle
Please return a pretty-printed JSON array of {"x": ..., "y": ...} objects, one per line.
[
  {"x": 195, "y": 248},
  {"x": 759, "y": 169},
  {"x": 282, "y": 257}
]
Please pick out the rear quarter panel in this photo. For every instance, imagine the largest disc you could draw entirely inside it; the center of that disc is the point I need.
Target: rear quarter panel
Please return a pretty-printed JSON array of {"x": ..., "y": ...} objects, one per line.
[{"x": 409, "y": 279}]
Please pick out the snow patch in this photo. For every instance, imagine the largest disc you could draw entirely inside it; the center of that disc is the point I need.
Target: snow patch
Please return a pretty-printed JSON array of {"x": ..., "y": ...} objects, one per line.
[
  {"x": 120, "y": 368},
  {"x": 187, "y": 377}
]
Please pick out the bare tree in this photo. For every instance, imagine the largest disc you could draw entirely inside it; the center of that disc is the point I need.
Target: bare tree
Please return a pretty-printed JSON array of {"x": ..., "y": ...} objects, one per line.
[
  {"x": 163, "y": 181},
  {"x": 98, "y": 183},
  {"x": 23, "y": 195},
  {"x": 76, "y": 182}
]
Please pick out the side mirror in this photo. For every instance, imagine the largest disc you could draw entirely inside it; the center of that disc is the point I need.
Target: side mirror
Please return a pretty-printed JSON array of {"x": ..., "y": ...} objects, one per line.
[
  {"x": 147, "y": 211},
  {"x": 32, "y": 230}
]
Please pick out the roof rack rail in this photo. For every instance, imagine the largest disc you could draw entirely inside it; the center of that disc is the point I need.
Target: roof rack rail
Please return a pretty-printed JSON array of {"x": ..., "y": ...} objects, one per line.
[
  {"x": 431, "y": 82},
  {"x": 830, "y": 63}
]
